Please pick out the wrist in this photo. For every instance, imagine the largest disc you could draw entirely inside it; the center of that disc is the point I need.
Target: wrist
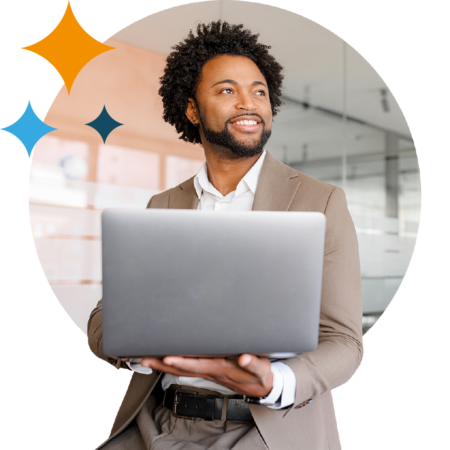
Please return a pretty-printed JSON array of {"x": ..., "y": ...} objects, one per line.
[
  {"x": 271, "y": 396},
  {"x": 268, "y": 385}
]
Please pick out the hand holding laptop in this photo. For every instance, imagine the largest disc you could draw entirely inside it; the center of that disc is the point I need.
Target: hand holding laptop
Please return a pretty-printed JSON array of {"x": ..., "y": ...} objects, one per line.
[{"x": 248, "y": 375}]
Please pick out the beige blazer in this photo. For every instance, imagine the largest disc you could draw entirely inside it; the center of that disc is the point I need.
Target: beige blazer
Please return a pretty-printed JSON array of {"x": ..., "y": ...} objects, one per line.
[{"x": 339, "y": 353}]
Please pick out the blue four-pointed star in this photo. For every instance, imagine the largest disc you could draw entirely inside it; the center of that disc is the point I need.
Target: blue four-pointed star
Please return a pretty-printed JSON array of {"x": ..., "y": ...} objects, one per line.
[
  {"x": 104, "y": 124},
  {"x": 29, "y": 129}
]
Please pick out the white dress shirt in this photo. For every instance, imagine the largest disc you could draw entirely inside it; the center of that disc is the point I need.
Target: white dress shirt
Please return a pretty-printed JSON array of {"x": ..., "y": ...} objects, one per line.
[{"x": 210, "y": 199}]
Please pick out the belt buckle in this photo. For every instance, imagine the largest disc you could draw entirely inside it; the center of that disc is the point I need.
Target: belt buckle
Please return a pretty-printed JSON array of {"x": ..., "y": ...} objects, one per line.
[{"x": 176, "y": 401}]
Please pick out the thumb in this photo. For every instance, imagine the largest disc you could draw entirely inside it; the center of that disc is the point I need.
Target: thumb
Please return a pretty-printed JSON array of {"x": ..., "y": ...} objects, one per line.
[
  {"x": 252, "y": 364},
  {"x": 244, "y": 360}
]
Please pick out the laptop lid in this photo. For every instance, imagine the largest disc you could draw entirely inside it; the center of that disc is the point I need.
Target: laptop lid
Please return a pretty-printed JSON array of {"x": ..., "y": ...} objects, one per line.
[{"x": 188, "y": 282}]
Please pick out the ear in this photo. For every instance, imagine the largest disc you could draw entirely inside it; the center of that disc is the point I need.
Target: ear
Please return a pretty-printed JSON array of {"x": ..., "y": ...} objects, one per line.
[{"x": 191, "y": 111}]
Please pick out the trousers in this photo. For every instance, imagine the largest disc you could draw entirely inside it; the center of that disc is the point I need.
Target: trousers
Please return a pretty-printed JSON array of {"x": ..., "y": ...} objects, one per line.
[{"x": 156, "y": 428}]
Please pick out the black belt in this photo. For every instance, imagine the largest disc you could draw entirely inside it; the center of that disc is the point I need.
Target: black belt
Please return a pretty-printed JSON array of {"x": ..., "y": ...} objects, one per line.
[{"x": 190, "y": 403}]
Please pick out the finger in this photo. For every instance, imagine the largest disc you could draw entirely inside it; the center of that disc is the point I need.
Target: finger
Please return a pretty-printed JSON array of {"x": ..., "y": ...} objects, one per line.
[
  {"x": 167, "y": 359},
  {"x": 199, "y": 366},
  {"x": 244, "y": 360},
  {"x": 157, "y": 364},
  {"x": 254, "y": 365}
]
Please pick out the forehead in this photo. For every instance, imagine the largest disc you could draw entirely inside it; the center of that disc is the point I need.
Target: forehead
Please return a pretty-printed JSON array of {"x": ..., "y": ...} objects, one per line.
[{"x": 227, "y": 67}]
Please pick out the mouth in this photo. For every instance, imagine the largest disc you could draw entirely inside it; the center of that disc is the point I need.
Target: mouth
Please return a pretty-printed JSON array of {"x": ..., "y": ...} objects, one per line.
[{"x": 246, "y": 123}]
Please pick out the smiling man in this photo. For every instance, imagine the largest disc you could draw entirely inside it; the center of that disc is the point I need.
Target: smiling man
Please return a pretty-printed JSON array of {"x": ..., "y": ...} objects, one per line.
[{"x": 221, "y": 89}]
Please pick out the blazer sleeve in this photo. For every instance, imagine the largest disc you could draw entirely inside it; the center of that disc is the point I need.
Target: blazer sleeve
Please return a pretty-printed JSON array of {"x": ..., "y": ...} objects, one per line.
[
  {"x": 95, "y": 338},
  {"x": 340, "y": 349},
  {"x": 95, "y": 332}
]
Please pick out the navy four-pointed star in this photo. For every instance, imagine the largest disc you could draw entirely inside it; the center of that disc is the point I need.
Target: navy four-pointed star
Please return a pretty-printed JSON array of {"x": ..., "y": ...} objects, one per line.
[
  {"x": 29, "y": 129},
  {"x": 104, "y": 124}
]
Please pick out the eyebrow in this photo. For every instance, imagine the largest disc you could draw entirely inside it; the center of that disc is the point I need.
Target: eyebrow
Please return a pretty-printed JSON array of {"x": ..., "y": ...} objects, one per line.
[{"x": 255, "y": 83}]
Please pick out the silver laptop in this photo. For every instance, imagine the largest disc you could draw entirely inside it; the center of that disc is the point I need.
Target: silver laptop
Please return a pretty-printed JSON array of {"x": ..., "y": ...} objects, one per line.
[{"x": 187, "y": 282}]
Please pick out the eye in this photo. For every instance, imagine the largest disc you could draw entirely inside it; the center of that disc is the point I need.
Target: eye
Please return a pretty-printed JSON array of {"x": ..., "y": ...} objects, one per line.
[
  {"x": 260, "y": 92},
  {"x": 227, "y": 89}
]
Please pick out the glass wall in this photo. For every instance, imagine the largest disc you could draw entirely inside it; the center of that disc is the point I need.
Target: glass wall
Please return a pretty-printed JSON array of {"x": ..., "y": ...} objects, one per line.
[{"x": 379, "y": 172}]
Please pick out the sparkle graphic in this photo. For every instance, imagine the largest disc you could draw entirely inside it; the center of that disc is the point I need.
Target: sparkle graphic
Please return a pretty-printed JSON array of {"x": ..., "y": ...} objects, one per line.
[
  {"x": 104, "y": 124},
  {"x": 68, "y": 48},
  {"x": 29, "y": 129}
]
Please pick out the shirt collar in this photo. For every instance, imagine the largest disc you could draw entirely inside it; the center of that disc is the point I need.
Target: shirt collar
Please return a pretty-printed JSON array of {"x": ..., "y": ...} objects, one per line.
[{"x": 249, "y": 181}]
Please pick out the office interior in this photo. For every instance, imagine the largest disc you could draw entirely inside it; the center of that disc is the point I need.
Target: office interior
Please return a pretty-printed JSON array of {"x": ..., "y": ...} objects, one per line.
[{"x": 339, "y": 123}]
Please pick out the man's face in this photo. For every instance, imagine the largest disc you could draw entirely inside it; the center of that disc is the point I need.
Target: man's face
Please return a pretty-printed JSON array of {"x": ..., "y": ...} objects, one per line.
[{"x": 233, "y": 105}]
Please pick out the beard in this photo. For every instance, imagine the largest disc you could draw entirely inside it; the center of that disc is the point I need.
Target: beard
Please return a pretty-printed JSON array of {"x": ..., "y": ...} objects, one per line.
[{"x": 232, "y": 149}]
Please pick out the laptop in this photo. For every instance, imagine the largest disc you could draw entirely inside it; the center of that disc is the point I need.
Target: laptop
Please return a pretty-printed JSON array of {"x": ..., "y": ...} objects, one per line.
[{"x": 198, "y": 283}]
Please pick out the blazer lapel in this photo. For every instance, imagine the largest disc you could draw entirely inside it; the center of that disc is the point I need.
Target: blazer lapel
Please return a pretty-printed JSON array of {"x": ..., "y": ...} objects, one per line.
[
  {"x": 185, "y": 197},
  {"x": 277, "y": 186}
]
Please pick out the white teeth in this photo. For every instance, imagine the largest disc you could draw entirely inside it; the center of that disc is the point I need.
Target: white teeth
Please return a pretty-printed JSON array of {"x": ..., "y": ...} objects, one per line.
[{"x": 247, "y": 122}]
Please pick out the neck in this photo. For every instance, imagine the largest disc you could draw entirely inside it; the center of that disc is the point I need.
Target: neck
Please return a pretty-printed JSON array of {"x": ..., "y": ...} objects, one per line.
[{"x": 226, "y": 173}]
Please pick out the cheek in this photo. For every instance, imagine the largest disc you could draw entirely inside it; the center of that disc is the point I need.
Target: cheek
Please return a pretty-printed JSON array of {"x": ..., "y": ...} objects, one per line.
[
  {"x": 268, "y": 117},
  {"x": 218, "y": 119},
  {"x": 214, "y": 116}
]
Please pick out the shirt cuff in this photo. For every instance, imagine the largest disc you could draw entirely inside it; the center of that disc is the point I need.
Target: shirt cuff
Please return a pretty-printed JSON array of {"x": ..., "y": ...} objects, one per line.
[
  {"x": 135, "y": 366},
  {"x": 284, "y": 383},
  {"x": 277, "y": 388}
]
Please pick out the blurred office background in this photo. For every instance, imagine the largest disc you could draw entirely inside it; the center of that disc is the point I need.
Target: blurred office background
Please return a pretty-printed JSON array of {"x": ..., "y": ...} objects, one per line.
[{"x": 339, "y": 124}]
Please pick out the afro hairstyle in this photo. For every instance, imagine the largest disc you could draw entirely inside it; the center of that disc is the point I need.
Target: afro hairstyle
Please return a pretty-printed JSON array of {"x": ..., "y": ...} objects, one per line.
[{"x": 184, "y": 66}]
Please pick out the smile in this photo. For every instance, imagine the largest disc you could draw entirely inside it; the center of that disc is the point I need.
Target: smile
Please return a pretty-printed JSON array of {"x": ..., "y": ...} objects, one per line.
[{"x": 247, "y": 125}]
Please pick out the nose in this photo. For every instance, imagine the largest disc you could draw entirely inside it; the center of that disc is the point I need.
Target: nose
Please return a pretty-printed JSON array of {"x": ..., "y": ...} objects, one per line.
[{"x": 245, "y": 102}]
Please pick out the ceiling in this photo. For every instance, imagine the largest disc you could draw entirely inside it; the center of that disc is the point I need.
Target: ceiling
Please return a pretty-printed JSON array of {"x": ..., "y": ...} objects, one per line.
[{"x": 313, "y": 57}]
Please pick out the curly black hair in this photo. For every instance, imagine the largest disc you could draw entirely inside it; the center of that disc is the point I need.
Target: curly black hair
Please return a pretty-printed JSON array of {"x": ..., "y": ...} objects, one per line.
[{"x": 185, "y": 63}]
